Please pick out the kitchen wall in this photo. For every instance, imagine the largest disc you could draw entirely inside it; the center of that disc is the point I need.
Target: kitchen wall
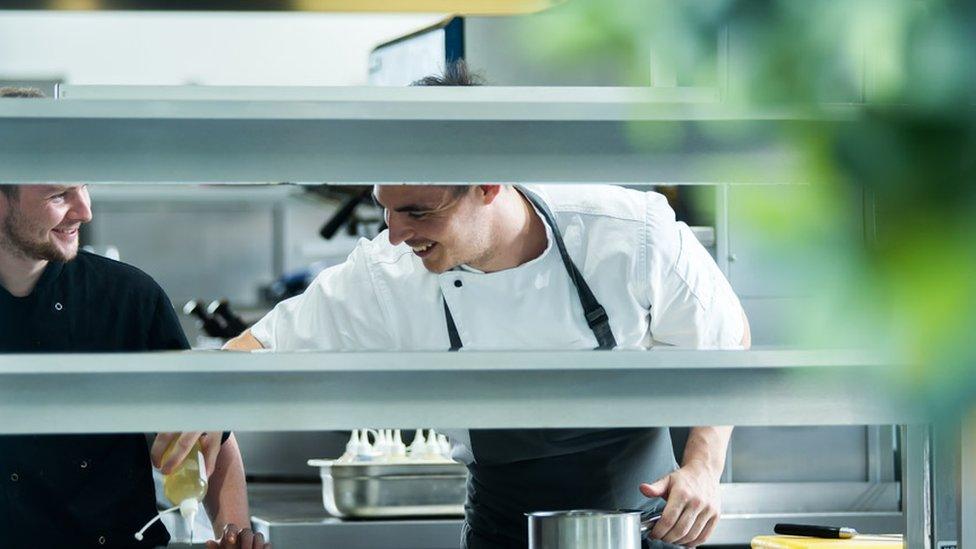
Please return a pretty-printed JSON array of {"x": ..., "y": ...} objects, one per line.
[{"x": 154, "y": 48}]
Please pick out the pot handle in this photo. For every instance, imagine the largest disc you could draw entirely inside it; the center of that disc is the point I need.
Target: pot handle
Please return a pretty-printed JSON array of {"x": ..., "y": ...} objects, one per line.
[{"x": 648, "y": 523}]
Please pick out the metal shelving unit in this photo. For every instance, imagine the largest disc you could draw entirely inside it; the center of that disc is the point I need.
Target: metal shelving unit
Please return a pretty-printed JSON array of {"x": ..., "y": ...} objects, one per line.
[
  {"x": 376, "y": 135},
  {"x": 303, "y": 391}
]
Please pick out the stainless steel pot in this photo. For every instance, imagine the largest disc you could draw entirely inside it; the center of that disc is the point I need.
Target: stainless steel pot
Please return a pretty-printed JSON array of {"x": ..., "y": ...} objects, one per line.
[{"x": 588, "y": 529}]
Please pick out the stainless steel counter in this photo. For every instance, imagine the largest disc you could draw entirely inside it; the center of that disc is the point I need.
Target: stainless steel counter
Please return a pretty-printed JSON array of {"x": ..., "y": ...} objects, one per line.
[{"x": 291, "y": 516}]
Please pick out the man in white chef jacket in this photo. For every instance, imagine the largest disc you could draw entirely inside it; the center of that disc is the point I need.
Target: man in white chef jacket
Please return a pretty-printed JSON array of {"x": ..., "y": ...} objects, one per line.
[{"x": 489, "y": 267}]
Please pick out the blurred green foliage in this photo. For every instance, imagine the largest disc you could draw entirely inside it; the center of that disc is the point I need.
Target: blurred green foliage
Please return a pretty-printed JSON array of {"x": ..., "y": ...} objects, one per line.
[{"x": 906, "y": 163}]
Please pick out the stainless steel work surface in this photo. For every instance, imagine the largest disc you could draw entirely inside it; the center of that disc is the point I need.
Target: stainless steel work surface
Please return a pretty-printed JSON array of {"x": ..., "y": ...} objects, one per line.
[{"x": 291, "y": 516}]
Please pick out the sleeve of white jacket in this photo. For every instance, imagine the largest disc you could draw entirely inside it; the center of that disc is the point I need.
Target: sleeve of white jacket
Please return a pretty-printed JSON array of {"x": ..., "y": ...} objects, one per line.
[
  {"x": 338, "y": 311},
  {"x": 691, "y": 303}
]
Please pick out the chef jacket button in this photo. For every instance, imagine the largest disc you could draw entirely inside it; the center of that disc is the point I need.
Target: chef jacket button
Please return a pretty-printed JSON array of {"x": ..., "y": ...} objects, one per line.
[
  {"x": 14, "y": 477},
  {"x": 458, "y": 283},
  {"x": 58, "y": 306},
  {"x": 84, "y": 464},
  {"x": 101, "y": 540}
]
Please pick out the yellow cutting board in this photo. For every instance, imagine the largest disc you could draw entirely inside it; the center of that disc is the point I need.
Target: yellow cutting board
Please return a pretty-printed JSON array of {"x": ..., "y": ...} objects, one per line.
[{"x": 803, "y": 542}]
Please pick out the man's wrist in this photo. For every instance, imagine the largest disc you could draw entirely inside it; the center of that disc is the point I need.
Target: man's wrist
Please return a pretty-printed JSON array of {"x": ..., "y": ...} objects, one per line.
[{"x": 713, "y": 471}]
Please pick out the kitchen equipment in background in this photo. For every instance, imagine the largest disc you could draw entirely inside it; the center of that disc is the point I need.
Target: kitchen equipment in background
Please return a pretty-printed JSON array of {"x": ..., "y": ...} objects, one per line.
[
  {"x": 217, "y": 320},
  {"x": 220, "y": 310},
  {"x": 213, "y": 329},
  {"x": 403, "y": 60},
  {"x": 386, "y": 490},
  {"x": 386, "y": 479},
  {"x": 346, "y": 215},
  {"x": 589, "y": 529},
  {"x": 291, "y": 283}
]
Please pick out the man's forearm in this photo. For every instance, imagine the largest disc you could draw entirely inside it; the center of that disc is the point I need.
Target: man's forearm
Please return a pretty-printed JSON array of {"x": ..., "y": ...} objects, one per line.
[
  {"x": 707, "y": 446},
  {"x": 244, "y": 342},
  {"x": 226, "y": 499}
]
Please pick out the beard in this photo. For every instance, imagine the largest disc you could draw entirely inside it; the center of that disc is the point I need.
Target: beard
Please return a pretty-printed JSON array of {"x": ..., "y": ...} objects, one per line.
[{"x": 16, "y": 235}]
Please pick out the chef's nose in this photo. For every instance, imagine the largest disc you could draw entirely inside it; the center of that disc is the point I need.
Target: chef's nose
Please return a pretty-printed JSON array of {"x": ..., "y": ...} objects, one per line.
[
  {"x": 80, "y": 205},
  {"x": 400, "y": 229}
]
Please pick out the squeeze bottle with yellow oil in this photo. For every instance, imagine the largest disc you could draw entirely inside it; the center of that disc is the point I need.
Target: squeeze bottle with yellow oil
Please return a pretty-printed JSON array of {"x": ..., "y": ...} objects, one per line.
[{"x": 185, "y": 487}]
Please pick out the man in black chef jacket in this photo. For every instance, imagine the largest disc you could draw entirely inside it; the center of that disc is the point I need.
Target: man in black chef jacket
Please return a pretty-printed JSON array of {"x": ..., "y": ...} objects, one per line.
[{"x": 86, "y": 490}]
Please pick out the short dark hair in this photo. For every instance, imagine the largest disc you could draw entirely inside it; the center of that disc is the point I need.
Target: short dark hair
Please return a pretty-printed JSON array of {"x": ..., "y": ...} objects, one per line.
[
  {"x": 11, "y": 91},
  {"x": 456, "y": 73},
  {"x": 12, "y": 191}
]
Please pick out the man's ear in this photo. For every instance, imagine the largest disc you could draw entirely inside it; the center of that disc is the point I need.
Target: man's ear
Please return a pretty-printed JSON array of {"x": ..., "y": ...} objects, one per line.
[{"x": 489, "y": 192}]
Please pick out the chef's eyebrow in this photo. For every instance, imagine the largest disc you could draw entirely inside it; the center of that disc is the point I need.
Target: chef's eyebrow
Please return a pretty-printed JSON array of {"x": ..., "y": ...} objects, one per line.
[{"x": 55, "y": 190}]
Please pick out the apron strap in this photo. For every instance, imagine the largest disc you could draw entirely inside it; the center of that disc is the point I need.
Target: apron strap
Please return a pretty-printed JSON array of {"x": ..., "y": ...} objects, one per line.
[
  {"x": 595, "y": 314},
  {"x": 451, "y": 328}
]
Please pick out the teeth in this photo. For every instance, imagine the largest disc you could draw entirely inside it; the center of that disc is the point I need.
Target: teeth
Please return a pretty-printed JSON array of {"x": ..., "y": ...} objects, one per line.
[{"x": 421, "y": 248}]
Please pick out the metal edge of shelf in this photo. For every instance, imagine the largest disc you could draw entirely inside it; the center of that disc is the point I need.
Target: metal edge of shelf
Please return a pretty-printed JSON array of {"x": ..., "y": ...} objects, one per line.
[
  {"x": 731, "y": 529},
  {"x": 265, "y": 361},
  {"x": 407, "y": 135},
  {"x": 505, "y": 95},
  {"x": 181, "y": 391}
]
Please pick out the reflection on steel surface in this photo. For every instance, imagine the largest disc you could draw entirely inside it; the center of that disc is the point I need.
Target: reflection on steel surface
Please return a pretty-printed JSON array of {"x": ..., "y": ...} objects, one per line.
[{"x": 392, "y": 490}]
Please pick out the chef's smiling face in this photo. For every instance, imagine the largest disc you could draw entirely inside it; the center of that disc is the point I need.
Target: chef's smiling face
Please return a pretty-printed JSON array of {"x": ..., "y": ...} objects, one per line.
[
  {"x": 41, "y": 222},
  {"x": 446, "y": 226}
]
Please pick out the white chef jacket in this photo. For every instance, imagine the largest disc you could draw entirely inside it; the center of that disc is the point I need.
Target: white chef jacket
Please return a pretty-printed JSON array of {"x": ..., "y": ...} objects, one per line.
[{"x": 657, "y": 283}]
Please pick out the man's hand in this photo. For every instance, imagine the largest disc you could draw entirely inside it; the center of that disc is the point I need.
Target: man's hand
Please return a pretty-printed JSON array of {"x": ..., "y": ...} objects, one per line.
[
  {"x": 693, "y": 507},
  {"x": 235, "y": 538},
  {"x": 209, "y": 443}
]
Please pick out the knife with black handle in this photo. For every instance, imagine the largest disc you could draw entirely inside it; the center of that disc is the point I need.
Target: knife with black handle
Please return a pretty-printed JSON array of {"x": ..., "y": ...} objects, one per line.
[{"x": 810, "y": 530}]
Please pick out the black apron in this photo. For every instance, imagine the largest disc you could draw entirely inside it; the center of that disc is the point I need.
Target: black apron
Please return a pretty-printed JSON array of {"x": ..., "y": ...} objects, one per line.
[{"x": 518, "y": 471}]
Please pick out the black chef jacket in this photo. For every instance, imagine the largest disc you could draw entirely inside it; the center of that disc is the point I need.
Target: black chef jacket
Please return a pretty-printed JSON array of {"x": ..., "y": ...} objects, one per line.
[{"x": 82, "y": 490}]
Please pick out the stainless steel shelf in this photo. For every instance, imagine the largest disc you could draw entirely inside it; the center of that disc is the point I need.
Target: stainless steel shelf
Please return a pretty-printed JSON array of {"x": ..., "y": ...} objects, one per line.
[
  {"x": 376, "y": 135},
  {"x": 291, "y": 516},
  {"x": 310, "y": 391}
]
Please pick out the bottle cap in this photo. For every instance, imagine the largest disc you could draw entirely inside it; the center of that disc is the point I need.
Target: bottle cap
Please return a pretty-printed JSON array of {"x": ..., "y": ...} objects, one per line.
[{"x": 189, "y": 507}]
